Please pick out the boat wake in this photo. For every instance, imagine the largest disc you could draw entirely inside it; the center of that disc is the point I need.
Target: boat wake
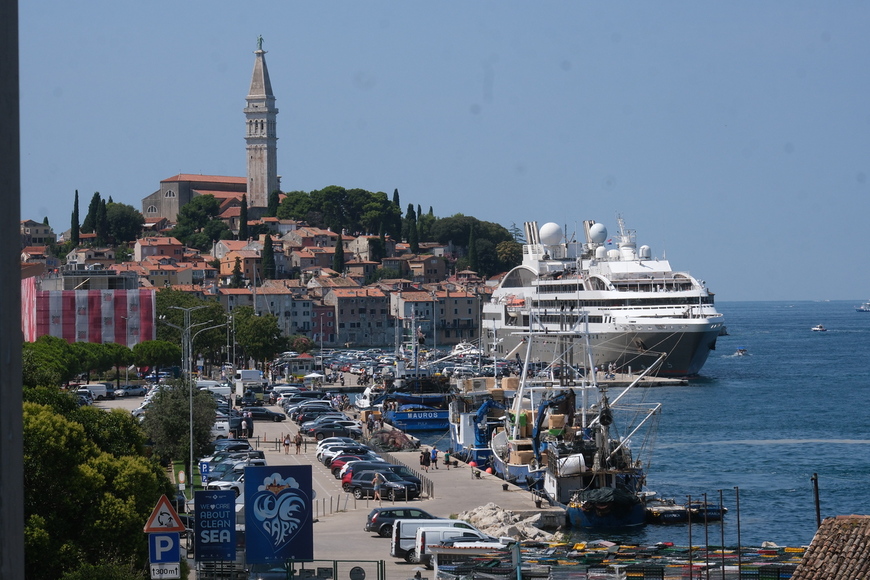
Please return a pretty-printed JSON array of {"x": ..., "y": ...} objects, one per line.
[{"x": 768, "y": 442}]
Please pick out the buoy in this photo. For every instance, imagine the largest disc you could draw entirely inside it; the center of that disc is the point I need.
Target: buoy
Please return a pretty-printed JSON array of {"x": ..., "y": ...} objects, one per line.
[
  {"x": 472, "y": 463},
  {"x": 489, "y": 470}
]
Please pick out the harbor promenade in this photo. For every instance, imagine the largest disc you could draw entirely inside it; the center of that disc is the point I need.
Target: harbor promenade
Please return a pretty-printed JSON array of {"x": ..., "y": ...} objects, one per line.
[{"x": 338, "y": 529}]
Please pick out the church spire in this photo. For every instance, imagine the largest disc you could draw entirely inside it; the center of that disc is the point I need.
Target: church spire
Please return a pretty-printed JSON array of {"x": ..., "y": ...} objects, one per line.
[{"x": 261, "y": 136}]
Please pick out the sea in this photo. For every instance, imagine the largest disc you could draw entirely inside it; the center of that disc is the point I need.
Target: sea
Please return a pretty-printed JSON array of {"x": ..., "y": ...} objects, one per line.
[{"x": 754, "y": 430}]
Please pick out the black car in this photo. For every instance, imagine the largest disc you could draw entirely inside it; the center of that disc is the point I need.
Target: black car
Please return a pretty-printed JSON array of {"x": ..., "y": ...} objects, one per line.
[
  {"x": 262, "y": 413},
  {"x": 380, "y": 520},
  {"x": 325, "y": 430},
  {"x": 392, "y": 488}
]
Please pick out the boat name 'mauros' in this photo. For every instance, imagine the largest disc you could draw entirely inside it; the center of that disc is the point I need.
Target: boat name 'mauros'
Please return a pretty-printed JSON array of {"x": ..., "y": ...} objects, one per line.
[{"x": 633, "y": 306}]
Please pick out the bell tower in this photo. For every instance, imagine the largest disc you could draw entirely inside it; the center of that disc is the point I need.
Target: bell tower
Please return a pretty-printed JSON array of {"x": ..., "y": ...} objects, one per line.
[{"x": 260, "y": 135}]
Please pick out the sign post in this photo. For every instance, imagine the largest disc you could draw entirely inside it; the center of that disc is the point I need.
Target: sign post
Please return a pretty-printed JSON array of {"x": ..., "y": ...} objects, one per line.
[{"x": 164, "y": 544}]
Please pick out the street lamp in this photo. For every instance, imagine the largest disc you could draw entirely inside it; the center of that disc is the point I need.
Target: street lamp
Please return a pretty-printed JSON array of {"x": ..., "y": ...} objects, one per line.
[{"x": 185, "y": 354}]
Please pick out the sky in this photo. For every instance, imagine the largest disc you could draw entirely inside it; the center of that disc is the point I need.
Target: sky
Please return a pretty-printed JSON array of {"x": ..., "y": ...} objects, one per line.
[{"x": 734, "y": 137}]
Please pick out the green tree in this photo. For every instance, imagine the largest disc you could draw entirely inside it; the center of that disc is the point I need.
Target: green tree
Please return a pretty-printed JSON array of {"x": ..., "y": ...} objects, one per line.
[
  {"x": 237, "y": 281},
  {"x": 167, "y": 423},
  {"x": 383, "y": 274},
  {"x": 120, "y": 355},
  {"x": 193, "y": 217},
  {"x": 268, "y": 259},
  {"x": 90, "y": 224},
  {"x": 272, "y": 207},
  {"x": 83, "y": 505},
  {"x": 295, "y": 206},
  {"x": 472, "y": 251},
  {"x": 259, "y": 336},
  {"x": 338, "y": 256},
  {"x": 101, "y": 225},
  {"x": 509, "y": 254},
  {"x": 92, "y": 357},
  {"x": 74, "y": 222},
  {"x": 301, "y": 344},
  {"x": 124, "y": 222},
  {"x": 156, "y": 353},
  {"x": 243, "y": 218},
  {"x": 48, "y": 361},
  {"x": 413, "y": 232}
]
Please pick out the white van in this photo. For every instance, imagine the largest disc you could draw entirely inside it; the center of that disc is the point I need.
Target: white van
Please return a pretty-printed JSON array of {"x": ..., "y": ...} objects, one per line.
[
  {"x": 405, "y": 534},
  {"x": 98, "y": 390},
  {"x": 215, "y": 387},
  {"x": 427, "y": 536}
]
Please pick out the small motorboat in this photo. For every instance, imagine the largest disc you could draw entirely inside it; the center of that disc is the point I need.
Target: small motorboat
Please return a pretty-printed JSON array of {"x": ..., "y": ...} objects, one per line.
[
  {"x": 863, "y": 308},
  {"x": 741, "y": 352},
  {"x": 818, "y": 328}
]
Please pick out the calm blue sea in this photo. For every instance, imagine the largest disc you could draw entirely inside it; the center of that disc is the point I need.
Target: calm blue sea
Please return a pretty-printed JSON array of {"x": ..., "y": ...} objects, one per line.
[{"x": 798, "y": 404}]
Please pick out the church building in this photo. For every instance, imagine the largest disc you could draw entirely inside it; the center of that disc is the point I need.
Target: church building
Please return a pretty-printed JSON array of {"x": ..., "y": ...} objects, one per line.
[{"x": 262, "y": 159}]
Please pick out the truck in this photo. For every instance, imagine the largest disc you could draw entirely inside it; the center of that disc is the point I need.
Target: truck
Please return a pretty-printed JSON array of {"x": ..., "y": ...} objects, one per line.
[{"x": 249, "y": 387}]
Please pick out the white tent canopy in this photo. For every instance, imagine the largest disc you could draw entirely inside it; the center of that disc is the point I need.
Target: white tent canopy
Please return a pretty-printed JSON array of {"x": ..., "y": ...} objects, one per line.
[{"x": 314, "y": 376}]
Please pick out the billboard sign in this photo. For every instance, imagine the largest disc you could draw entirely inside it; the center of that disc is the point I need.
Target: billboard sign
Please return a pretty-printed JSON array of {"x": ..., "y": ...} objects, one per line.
[
  {"x": 215, "y": 525},
  {"x": 278, "y": 513}
]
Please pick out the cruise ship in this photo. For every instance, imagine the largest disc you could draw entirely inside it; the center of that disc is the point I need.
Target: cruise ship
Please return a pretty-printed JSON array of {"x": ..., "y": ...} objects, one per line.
[{"x": 633, "y": 306}]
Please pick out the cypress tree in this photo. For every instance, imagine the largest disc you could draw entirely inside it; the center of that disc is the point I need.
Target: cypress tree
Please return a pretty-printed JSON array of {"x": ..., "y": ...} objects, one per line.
[
  {"x": 396, "y": 198},
  {"x": 101, "y": 224},
  {"x": 272, "y": 207},
  {"x": 237, "y": 281},
  {"x": 74, "y": 225},
  {"x": 338, "y": 257},
  {"x": 243, "y": 218},
  {"x": 413, "y": 234},
  {"x": 268, "y": 259},
  {"x": 472, "y": 250},
  {"x": 89, "y": 226}
]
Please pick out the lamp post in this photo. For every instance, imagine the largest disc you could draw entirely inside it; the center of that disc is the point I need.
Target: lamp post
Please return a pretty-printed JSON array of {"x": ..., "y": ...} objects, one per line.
[{"x": 185, "y": 362}]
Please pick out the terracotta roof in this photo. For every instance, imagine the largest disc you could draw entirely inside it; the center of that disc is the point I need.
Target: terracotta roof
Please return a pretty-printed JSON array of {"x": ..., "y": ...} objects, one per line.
[
  {"x": 233, "y": 211},
  {"x": 206, "y": 178},
  {"x": 158, "y": 241},
  {"x": 357, "y": 292},
  {"x": 839, "y": 550},
  {"x": 237, "y": 195}
]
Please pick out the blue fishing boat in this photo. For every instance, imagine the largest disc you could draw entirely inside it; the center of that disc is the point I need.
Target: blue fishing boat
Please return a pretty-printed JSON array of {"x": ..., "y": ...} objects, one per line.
[{"x": 417, "y": 418}]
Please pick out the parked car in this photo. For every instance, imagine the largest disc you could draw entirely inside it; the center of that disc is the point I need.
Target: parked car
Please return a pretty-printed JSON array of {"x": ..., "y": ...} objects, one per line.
[
  {"x": 393, "y": 488},
  {"x": 334, "y": 429},
  {"x": 262, "y": 413},
  {"x": 337, "y": 463},
  {"x": 402, "y": 471},
  {"x": 380, "y": 520},
  {"x": 221, "y": 469},
  {"x": 234, "y": 480},
  {"x": 356, "y": 449},
  {"x": 131, "y": 391}
]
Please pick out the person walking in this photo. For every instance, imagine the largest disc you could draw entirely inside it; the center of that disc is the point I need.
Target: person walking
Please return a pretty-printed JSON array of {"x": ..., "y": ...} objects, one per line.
[
  {"x": 377, "y": 480},
  {"x": 287, "y": 444},
  {"x": 435, "y": 457},
  {"x": 447, "y": 459},
  {"x": 298, "y": 442},
  {"x": 426, "y": 459}
]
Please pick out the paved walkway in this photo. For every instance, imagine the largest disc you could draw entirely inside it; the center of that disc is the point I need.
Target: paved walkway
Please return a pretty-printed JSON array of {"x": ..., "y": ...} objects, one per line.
[{"x": 338, "y": 530}]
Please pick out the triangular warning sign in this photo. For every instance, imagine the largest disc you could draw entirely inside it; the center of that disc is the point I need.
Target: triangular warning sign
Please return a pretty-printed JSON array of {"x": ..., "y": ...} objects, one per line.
[{"x": 164, "y": 518}]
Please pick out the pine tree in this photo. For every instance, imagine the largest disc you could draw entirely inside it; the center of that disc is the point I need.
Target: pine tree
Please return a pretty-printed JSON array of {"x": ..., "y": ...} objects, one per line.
[
  {"x": 74, "y": 225},
  {"x": 243, "y": 218},
  {"x": 338, "y": 257},
  {"x": 268, "y": 259}
]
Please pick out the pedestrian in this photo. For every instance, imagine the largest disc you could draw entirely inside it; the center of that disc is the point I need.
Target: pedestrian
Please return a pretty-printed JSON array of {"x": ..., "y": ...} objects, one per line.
[
  {"x": 244, "y": 427},
  {"x": 435, "y": 457},
  {"x": 287, "y": 444},
  {"x": 427, "y": 458},
  {"x": 376, "y": 484},
  {"x": 250, "y": 424},
  {"x": 298, "y": 442},
  {"x": 447, "y": 459},
  {"x": 422, "y": 457}
]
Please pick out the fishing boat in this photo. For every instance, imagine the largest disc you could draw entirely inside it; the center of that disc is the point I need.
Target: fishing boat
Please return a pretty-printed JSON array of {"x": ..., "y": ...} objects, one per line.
[
  {"x": 667, "y": 511},
  {"x": 637, "y": 305},
  {"x": 819, "y": 328},
  {"x": 865, "y": 307},
  {"x": 417, "y": 418}
]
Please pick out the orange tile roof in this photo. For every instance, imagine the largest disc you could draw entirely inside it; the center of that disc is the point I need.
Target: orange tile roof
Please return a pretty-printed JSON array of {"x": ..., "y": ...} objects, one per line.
[{"x": 206, "y": 178}]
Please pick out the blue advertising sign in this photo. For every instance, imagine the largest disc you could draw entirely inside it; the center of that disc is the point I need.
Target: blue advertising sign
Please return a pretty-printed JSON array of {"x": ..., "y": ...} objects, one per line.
[
  {"x": 278, "y": 513},
  {"x": 215, "y": 525}
]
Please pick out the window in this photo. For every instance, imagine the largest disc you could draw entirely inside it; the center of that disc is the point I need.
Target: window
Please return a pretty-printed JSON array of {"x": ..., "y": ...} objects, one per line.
[
  {"x": 151, "y": 209},
  {"x": 169, "y": 193}
]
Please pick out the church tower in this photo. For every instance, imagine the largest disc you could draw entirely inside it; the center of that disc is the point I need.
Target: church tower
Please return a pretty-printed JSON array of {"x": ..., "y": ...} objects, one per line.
[{"x": 260, "y": 136}]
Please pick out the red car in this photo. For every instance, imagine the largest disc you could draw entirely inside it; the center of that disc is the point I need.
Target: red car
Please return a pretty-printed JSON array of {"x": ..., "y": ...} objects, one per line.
[{"x": 338, "y": 462}]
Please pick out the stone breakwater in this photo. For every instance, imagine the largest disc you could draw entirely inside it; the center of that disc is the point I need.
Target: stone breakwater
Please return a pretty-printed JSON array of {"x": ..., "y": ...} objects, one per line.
[{"x": 495, "y": 521}]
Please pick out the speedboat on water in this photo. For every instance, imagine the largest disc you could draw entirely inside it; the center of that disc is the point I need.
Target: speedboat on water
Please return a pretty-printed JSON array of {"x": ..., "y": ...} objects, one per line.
[
  {"x": 638, "y": 307},
  {"x": 819, "y": 328},
  {"x": 865, "y": 307},
  {"x": 741, "y": 351}
]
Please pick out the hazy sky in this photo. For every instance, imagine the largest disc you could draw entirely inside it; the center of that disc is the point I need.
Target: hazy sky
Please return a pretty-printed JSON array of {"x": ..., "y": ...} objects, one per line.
[{"x": 733, "y": 136}]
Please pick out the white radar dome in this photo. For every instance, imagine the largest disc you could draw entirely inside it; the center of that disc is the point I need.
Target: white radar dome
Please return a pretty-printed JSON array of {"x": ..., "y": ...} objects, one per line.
[
  {"x": 551, "y": 234},
  {"x": 598, "y": 233}
]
